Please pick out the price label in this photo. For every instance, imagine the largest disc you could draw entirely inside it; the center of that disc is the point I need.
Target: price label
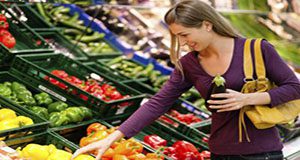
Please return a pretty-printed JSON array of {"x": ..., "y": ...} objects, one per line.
[{"x": 52, "y": 93}]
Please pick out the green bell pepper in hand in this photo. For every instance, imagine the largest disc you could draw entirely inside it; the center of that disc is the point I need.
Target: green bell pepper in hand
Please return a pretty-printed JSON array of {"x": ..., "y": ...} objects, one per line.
[
  {"x": 43, "y": 98},
  {"x": 41, "y": 111},
  {"x": 57, "y": 106}
]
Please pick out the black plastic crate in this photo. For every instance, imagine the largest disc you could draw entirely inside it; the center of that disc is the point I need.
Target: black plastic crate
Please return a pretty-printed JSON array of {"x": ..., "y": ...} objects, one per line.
[{"x": 40, "y": 65}]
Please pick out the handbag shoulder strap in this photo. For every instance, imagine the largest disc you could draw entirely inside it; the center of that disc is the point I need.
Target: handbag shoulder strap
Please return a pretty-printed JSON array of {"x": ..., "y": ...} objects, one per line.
[
  {"x": 259, "y": 62},
  {"x": 248, "y": 68}
]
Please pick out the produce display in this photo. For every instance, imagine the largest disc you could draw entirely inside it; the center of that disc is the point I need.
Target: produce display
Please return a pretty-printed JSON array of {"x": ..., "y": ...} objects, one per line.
[
  {"x": 122, "y": 149},
  {"x": 58, "y": 113},
  {"x": 90, "y": 41},
  {"x": 103, "y": 91},
  {"x": 178, "y": 150},
  {"x": 6, "y": 38}
]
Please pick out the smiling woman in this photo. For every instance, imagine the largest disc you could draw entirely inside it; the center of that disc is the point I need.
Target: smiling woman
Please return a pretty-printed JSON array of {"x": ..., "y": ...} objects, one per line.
[{"x": 216, "y": 50}]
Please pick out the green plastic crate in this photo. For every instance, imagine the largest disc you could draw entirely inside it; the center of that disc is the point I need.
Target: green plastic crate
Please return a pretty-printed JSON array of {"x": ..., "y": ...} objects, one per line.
[
  {"x": 75, "y": 134},
  {"x": 27, "y": 41},
  {"x": 34, "y": 19},
  {"x": 39, "y": 125},
  {"x": 61, "y": 44},
  {"x": 162, "y": 130},
  {"x": 44, "y": 138},
  {"x": 40, "y": 65},
  {"x": 34, "y": 87}
]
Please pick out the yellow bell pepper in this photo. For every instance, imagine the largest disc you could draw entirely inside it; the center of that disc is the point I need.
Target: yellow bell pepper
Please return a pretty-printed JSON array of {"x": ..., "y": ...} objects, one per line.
[
  {"x": 60, "y": 154},
  {"x": 84, "y": 157},
  {"x": 51, "y": 148},
  {"x": 8, "y": 124},
  {"x": 35, "y": 152},
  {"x": 7, "y": 114},
  {"x": 24, "y": 121}
]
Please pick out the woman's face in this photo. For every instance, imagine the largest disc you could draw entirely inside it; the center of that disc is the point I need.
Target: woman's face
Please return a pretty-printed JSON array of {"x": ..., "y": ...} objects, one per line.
[{"x": 196, "y": 39}]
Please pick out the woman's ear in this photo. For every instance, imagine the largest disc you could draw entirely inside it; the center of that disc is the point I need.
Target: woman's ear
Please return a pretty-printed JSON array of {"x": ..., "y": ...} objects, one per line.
[{"x": 207, "y": 25}]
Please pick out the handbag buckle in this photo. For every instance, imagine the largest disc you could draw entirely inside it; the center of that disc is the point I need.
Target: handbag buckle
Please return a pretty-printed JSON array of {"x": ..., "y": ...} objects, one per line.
[
  {"x": 262, "y": 79},
  {"x": 248, "y": 80}
]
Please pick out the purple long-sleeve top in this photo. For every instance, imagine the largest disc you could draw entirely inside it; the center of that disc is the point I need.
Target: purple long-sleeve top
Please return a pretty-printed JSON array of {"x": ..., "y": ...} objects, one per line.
[{"x": 224, "y": 129}]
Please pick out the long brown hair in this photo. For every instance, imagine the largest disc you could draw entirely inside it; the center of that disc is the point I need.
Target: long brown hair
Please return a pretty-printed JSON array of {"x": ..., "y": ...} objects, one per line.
[{"x": 191, "y": 13}]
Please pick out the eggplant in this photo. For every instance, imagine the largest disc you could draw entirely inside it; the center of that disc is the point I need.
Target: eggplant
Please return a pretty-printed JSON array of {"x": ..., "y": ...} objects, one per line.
[{"x": 217, "y": 86}]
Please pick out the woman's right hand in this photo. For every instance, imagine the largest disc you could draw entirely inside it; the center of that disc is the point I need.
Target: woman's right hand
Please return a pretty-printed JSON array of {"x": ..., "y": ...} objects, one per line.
[{"x": 100, "y": 146}]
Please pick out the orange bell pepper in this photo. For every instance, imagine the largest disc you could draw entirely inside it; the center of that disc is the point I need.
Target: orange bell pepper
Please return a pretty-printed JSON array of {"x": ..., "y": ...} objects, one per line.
[
  {"x": 120, "y": 157},
  {"x": 129, "y": 147},
  {"x": 93, "y": 137},
  {"x": 137, "y": 156},
  {"x": 94, "y": 127},
  {"x": 154, "y": 156},
  {"x": 109, "y": 153}
]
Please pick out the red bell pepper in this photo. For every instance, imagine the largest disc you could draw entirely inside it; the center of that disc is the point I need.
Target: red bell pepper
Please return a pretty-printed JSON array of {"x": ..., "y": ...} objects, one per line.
[
  {"x": 205, "y": 154},
  {"x": 60, "y": 73},
  {"x": 3, "y": 17},
  {"x": 184, "y": 146},
  {"x": 155, "y": 141},
  {"x": 8, "y": 41},
  {"x": 4, "y": 25}
]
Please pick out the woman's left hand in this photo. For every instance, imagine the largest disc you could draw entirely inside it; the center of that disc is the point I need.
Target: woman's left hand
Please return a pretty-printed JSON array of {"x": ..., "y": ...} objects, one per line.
[{"x": 233, "y": 100}]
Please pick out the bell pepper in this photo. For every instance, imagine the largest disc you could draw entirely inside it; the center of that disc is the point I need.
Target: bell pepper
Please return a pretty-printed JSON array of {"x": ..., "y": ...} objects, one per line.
[
  {"x": 35, "y": 152},
  {"x": 24, "y": 121},
  {"x": 8, "y": 41},
  {"x": 95, "y": 136},
  {"x": 87, "y": 112},
  {"x": 129, "y": 147},
  {"x": 8, "y": 124},
  {"x": 4, "y": 25},
  {"x": 109, "y": 153},
  {"x": 7, "y": 114},
  {"x": 3, "y": 17},
  {"x": 15, "y": 86},
  {"x": 94, "y": 127},
  {"x": 137, "y": 156},
  {"x": 57, "y": 119},
  {"x": 154, "y": 156},
  {"x": 57, "y": 106},
  {"x": 205, "y": 154},
  {"x": 60, "y": 73},
  {"x": 183, "y": 147},
  {"x": 74, "y": 114},
  {"x": 41, "y": 111},
  {"x": 5, "y": 91},
  {"x": 60, "y": 154},
  {"x": 43, "y": 99},
  {"x": 84, "y": 157},
  {"x": 189, "y": 156},
  {"x": 119, "y": 157},
  {"x": 155, "y": 141}
]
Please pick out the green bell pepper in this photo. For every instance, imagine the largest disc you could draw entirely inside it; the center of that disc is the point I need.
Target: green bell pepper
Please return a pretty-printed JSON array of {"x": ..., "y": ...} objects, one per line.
[
  {"x": 57, "y": 106},
  {"x": 15, "y": 86},
  {"x": 75, "y": 114},
  {"x": 43, "y": 99},
  {"x": 5, "y": 91},
  {"x": 87, "y": 112},
  {"x": 41, "y": 111},
  {"x": 25, "y": 96},
  {"x": 58, "y": 119}
]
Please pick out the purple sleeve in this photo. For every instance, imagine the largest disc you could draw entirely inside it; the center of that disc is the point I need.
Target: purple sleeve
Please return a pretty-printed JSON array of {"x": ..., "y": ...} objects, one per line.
[
  {"x": 278, "y": 72},
  {"x": 157, "y": 105}
]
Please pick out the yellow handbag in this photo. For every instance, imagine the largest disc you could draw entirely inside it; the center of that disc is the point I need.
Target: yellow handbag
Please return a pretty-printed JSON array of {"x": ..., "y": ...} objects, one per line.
[{"x": 262, "y": 116}]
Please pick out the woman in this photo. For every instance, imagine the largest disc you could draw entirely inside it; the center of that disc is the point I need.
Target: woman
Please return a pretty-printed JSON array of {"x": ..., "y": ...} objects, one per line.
[{"x": 217, "y": 49}]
